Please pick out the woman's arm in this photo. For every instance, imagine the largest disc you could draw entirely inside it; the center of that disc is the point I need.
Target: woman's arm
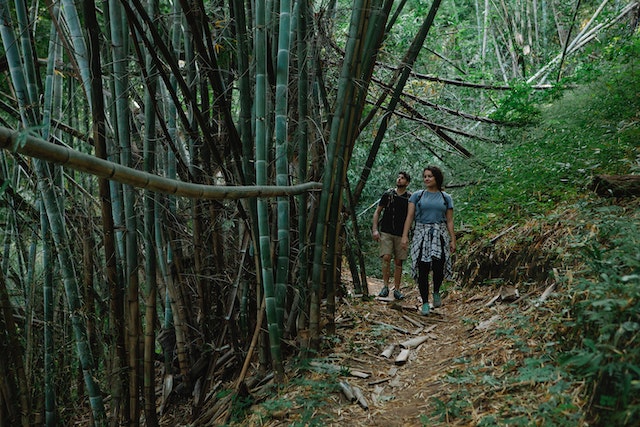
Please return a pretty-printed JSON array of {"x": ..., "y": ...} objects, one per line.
[
  {"x": 411, "y": 212},
  {"x": 452, "y": 234}
]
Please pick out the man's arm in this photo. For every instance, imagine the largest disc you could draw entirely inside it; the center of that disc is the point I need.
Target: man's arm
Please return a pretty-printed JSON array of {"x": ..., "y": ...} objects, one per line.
[
  {"x": 374, "y": 227},
  {"x": 411, "y": 213}
]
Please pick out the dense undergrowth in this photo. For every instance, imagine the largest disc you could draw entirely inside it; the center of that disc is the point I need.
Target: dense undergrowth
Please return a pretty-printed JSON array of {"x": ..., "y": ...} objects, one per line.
[
  {"x": 591, "y": 339},
  {"x": 588, "y": 246}
]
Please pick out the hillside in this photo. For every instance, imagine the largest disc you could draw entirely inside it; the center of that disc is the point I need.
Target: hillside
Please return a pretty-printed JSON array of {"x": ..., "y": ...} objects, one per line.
[{"x": 562, "y": 350}]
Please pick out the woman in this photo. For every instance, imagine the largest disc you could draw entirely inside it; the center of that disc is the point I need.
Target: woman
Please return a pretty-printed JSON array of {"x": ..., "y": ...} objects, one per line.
[{"x": 433, "y": 239}]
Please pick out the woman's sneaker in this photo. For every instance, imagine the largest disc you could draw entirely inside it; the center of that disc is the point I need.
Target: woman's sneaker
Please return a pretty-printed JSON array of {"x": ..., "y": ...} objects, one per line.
[
  {"x": 384, "y": 292},
  {"x": 437, "y": 302},
  {"x": 425, "y": 309},
  {"x": 397, "y": 294}
]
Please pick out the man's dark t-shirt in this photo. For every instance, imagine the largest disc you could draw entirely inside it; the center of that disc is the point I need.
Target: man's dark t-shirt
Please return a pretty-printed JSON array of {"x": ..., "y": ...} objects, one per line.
[{"x": 394, "y": 213}]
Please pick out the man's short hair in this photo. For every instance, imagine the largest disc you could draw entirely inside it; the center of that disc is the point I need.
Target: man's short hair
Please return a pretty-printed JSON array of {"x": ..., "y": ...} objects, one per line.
[{"x": 406, "y": 175}]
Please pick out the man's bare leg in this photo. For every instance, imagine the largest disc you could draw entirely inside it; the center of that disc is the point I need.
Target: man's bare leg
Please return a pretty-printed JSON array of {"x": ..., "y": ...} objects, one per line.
[
  {"x": 386, "y": 269},
  {"x": 397, "y": 274}
]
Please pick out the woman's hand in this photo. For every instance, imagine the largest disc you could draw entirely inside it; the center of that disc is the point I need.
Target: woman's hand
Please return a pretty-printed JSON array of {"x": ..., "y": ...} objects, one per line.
[
  {"x": 452, "y": 246},
  {"x": 376, "y": 235}
]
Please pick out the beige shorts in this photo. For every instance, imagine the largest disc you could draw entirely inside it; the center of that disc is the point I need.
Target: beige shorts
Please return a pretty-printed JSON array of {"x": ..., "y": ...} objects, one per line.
[{"x": 390, "y": 244}]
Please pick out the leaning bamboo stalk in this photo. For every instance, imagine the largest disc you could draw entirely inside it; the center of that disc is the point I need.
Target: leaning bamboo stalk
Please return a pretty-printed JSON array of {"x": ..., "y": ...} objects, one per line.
[
  {"x": 325, "y": 236},
  {"x": 28, "y": 145},
  {"x": 54, "y": 216},
  {"x": 252, "y": 346}
]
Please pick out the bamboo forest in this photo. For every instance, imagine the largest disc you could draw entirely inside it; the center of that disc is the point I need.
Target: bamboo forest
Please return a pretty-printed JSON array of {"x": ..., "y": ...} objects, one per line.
[{"x": 185, "y": 184}]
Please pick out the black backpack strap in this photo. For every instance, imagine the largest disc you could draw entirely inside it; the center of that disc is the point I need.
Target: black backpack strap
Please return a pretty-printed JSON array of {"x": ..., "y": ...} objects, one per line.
[{"x": 446, "y": 202}]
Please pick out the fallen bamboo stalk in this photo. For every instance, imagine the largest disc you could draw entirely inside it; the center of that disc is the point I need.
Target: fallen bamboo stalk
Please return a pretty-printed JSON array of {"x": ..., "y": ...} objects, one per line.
[
  {"x": 413, "y": 321},
  {"x": 396, "y": 328}
]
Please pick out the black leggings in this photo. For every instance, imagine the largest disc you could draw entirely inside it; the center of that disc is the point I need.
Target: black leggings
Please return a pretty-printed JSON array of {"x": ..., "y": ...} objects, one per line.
[{"x": 423, "y": 277}]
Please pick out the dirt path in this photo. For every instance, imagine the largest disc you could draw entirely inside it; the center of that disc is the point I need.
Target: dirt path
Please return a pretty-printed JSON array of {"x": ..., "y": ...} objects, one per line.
[{"x": 401, "y": 394}]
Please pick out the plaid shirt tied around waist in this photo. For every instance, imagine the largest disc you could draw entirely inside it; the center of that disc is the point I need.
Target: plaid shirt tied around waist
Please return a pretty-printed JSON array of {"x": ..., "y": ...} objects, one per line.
[{"x": 431, "y": 241}]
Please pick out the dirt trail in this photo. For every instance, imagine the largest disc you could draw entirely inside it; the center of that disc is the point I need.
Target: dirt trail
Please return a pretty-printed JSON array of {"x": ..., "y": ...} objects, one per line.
[{"x": 401, "y": 395}]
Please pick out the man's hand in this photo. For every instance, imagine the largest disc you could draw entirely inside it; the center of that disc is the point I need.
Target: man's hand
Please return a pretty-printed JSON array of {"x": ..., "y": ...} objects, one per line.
[
  {"x": 376, "y": 235},
  {"x": 404, "y": 242}
]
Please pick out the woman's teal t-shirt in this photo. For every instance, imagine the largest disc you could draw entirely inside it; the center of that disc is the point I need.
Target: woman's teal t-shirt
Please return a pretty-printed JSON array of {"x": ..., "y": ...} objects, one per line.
[{"x": 431, "y": 207}]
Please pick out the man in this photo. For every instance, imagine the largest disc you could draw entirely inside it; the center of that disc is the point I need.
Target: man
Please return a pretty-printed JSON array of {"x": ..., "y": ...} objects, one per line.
[{"x": 394, "y": 203}]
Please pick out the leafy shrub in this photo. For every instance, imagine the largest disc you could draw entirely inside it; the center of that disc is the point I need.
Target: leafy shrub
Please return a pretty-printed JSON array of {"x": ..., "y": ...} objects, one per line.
[
  {"x": 603, "y": 347},
  {"x": 517, "y": 106}
]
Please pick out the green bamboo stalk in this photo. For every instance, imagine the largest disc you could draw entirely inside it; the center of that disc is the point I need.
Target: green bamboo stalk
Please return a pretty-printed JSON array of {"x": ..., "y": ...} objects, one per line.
[
  {"x": 262, "y": 143},
  {"x": 65, "y": 258},
  {"x": 119, "y": 51},
  {"x": 14, "y": 349},
  {"x": 322, "y": 252},
  {"x": 150, "y": 148},
  {"x": 303, "y": 57},
  {"x": 282, "y": 160},
  {"x": 116, "y": 299},
  {"x": 48, "y": 303},
  {"x": 80, "y": 51},
  {"x": 51, "y": 84}
]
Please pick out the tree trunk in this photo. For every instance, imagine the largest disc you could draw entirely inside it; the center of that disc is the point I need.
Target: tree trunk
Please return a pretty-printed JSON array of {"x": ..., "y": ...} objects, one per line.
[{"x": 616, "y": 185}]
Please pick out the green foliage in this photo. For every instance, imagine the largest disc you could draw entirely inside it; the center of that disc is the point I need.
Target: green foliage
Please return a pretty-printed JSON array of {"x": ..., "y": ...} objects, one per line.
[
  {"x": 453, "y": 408},
  {"x": 517, "y": 107},
  {"x": 592, "y": 130},
  {"x": 603, "y": 348}
]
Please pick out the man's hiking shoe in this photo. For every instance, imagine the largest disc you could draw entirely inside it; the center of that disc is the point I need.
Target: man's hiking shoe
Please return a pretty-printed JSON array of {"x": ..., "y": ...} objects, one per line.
[
  {"x": 425, "y": 309},
  {"x": 384, "y": 292},
  {"x": 437, "y": 302},
  {"x": 397, "y": 294}
]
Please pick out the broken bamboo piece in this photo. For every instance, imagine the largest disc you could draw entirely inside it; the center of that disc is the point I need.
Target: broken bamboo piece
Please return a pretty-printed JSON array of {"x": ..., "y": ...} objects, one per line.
[
  {"x": 387, "y": 352},
  {"x": 403, "y": 356},
  {"x": 347, "y": 391},
  {"x": 414, "y": 342},
  {"x": 546, "y": 294},
  {"x": 362, "y": 401}
]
